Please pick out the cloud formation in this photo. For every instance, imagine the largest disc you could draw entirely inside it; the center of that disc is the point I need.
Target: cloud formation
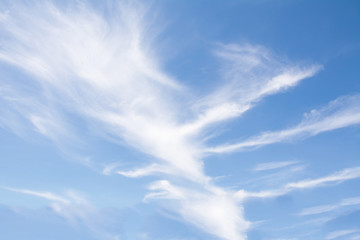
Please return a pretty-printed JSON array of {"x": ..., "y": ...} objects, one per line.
[
  {"x": 341, "y": 233},
  {"x": 336, "y": 178},
  {"x": 102, "y": 70},
  {"x": 340, "y": 113},
  {"x": 212, "y": 209},
  {"x": 328, "y": 208},
  {"x": 74, "y": 208},
  {"x": 273, "y": 165}
]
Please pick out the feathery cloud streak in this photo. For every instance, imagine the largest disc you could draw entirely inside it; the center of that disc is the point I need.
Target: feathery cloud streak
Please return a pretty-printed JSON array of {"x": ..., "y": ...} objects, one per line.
[
  {"x": 250, "y": 73},
  {"x": 337, "y": 177},
  {"x": 47, "y": 195},
  {"x": 273, "y": 165},
  {"x": 341, "y": 233},
  {"x": 328, "y": 208},
  {"x": 74, "y": 208},
  {"x": 71, "y": 206},
  {"x": 340, "y": 113},
  {"x": 211, "y": 209}
]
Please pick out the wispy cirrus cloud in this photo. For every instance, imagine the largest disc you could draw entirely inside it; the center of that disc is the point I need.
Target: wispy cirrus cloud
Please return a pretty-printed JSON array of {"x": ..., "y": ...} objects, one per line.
[
  {"x": 211, "y": 209},
  {"x": 249, "y": 73},
  {"x": 355, "y": 237},
  {"x": 103, "y": 72},
  {"x": 340, "y": 113},
  {"x": 273, "y": 165},
  {"x": 272, "y": 178},
  {"x": 146, "y": 171},
  {"x": 74, "y": 208},
  {"x": 47, "y": 195},
  {"x": 337, "y": 177},
  {"x": 330, "y": 207},
  {"x": 71, "y": 205},
  {"x": 341, "y": 233}
]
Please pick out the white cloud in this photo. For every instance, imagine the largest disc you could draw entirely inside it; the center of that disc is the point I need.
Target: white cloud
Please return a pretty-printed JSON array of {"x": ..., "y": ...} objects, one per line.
[
  {"x": 74, "y": 208},
  {"x": 273, "y": 165},
  {"x": 211, "y": 209},
  {"x": 71, "y": 206},
  {"x": 250, "y": 73},
  {"x": 318, "y": 209},
  {"x": 355, "y": 237},
  {"x": 350, "y": 201},
  {"x": 337, "y": 177},
  {"x": 272, "y": 179},
  {"x": 106, "y": 73},
  {"x": 340, "y": 233},
  {"x": 340, "y": 113},
  {"x": 331, "y": 207},
  {"x": 47, "y": 195},
  {"x": 146, "y": 171}
]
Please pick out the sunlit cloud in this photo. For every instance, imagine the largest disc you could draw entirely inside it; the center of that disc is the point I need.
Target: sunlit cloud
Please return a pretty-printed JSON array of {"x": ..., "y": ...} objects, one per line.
[{"x": 211, "y": 209}]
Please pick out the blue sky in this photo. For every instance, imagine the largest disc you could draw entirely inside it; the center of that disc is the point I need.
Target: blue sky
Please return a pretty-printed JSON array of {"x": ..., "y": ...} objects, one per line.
[{"x": 180, "y": 120}]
